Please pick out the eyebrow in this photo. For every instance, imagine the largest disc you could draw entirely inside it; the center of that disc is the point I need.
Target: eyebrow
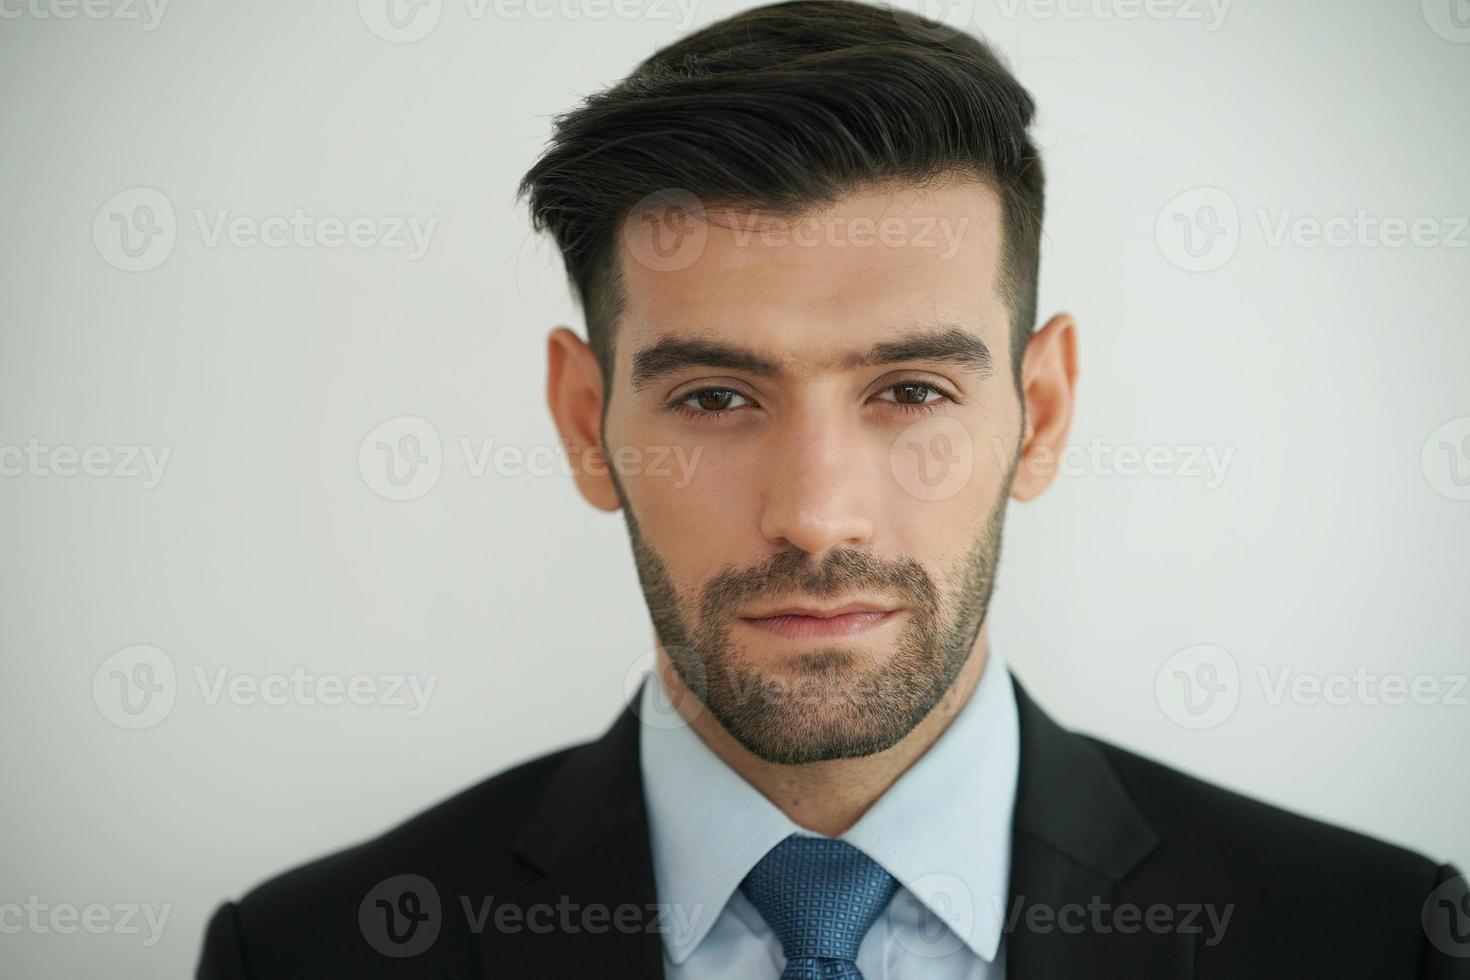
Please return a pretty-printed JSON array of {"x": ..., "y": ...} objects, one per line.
[{"x": 946, "y": 343}]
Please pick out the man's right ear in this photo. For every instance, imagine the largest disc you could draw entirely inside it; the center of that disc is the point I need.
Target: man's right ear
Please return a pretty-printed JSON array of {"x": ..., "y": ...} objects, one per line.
[{"x": 574, "y": 393}]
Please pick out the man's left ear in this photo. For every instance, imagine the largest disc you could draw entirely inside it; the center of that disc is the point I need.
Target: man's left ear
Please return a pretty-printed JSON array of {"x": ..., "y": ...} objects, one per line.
[{"x": 1048, "y": 388}]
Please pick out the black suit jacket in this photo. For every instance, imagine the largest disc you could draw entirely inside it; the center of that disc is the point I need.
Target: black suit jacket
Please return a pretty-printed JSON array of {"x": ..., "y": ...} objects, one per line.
[{"x": 545, "y": 871}]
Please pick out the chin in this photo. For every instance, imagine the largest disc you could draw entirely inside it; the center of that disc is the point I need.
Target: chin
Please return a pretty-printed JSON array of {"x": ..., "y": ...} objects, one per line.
[
  {"x": 813, "y": 706},
  {"x": 806, "y": 739}
]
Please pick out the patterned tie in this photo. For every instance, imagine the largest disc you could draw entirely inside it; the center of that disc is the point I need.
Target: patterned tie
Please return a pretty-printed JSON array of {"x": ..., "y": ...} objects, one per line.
[{"x": 819, "y": 896}]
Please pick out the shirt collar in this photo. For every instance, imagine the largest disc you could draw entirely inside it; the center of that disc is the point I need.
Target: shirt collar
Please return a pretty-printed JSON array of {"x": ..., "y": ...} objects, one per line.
[{"x": 943, "y": 829}]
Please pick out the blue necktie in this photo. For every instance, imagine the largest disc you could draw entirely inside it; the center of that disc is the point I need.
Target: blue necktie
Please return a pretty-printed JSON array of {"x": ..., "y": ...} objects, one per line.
[{"x": 819, "y": 896}]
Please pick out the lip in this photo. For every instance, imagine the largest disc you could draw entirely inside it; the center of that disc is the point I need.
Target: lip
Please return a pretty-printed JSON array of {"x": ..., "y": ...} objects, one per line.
[{"x": 810, "y": 622}]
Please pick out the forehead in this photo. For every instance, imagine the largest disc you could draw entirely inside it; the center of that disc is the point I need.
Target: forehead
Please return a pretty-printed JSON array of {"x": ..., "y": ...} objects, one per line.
[{"x": 835, "y": 278}]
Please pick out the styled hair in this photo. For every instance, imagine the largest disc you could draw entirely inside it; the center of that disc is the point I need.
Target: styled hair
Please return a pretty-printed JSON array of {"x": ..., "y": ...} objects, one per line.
[{"x": 785, "y": 109}]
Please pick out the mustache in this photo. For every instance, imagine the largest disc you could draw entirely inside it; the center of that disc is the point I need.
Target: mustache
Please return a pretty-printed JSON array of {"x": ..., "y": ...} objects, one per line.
[{"x": 791, "y": 572}]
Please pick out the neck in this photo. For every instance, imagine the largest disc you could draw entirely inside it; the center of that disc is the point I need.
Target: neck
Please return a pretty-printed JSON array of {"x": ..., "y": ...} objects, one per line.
[{"x": 829, "y": 797}]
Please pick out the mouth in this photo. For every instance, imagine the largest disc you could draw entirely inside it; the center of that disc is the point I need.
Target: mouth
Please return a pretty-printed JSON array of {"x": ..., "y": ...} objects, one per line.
[{"x": 816, "y": 622}]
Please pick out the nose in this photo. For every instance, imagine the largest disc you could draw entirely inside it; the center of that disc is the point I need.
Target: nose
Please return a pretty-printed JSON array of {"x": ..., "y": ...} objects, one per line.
[{"x": 816, "y": 487}]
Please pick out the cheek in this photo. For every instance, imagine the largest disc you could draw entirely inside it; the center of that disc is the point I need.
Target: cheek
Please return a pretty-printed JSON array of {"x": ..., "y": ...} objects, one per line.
[
  {"x": 944, "y": 465},
  {"x": 694, "y": 504},
  {"x": 947, "y": 475}
]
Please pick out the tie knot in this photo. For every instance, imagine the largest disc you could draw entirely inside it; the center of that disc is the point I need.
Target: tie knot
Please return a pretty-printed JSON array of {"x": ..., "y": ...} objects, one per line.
[{"x": 819, "y": 896}]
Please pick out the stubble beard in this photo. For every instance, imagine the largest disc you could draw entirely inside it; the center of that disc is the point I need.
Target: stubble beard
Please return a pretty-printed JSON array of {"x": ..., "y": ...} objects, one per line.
[{"x": 832, "y": 703}]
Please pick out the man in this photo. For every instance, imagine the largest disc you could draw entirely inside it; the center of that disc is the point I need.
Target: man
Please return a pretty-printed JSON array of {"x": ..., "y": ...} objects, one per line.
[{"x": 806, "y": 242}]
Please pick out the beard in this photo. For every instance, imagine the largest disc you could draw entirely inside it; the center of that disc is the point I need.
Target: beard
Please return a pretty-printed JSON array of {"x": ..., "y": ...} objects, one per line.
[{"x": 833, "y": 703}]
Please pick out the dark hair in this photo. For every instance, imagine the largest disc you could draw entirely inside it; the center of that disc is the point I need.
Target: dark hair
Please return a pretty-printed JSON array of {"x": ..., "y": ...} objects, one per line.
[{"x": 786, "y": 108}]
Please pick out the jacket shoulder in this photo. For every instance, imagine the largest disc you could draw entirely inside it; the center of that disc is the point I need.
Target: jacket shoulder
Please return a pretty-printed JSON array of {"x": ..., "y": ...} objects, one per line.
[
  {"x": 1284, "y": 886},
  {"x": 310, "y": 918},
  {"x": 1223, "y": 828}
]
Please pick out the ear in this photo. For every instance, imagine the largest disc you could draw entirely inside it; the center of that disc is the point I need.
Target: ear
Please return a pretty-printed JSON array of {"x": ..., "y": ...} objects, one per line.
[
  {"x": 1048, "y": 388},
  {"x": 574, "y": 393}
]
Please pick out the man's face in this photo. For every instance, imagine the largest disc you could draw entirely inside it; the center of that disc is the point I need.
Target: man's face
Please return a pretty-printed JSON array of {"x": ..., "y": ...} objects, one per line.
[{"x": 838, "y": 387}]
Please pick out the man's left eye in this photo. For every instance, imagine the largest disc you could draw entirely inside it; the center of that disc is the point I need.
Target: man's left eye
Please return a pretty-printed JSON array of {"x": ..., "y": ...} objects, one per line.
[
  {"x": 911, "y": 393},
  {"x": 712, "y": 401}
]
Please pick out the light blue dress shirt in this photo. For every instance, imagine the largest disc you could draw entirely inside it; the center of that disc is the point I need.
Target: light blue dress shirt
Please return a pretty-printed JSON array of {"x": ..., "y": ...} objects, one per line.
[{"x": 943, "y": 829}]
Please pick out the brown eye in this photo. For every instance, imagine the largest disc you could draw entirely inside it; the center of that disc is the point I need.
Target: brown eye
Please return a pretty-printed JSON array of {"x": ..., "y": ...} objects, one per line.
[
  {"x": 915, "y": 395},
  {"x": 911, "y": 393},
  {"x": 713, "y": 400}
]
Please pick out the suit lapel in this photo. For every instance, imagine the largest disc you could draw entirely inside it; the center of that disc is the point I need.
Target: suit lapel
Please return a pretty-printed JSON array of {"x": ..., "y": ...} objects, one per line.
[
  {"x": 588, "y": 837},
  {"x": 1077, "y": 838}
]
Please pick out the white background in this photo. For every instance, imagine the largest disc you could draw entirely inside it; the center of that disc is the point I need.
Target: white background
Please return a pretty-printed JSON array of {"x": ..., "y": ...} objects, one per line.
[{"x": 1333, "y": 543}]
